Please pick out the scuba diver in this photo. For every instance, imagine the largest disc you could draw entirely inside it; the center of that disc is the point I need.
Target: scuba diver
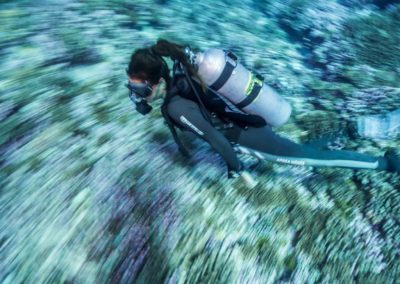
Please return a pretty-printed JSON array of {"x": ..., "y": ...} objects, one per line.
[{"x": 194, "y": 103}]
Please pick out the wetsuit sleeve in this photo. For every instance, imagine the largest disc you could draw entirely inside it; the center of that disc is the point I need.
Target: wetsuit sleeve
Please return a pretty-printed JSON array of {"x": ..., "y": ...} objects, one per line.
[{"x": 187, "y": 114}]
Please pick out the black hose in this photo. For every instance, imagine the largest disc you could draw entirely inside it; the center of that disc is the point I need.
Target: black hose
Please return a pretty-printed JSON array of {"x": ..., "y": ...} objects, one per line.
[{"x": 203, "y": 109}]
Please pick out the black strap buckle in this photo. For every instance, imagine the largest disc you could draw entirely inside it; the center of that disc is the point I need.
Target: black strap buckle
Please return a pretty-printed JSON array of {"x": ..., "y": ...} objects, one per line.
[{"x": 232, "y": 56}]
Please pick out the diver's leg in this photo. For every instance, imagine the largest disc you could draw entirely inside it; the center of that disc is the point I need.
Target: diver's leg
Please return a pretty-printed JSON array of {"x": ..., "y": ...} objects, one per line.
[{"x": 275, "y": 148}]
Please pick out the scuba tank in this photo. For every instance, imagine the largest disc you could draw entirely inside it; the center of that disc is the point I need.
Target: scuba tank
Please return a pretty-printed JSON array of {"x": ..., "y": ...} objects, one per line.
[{"x": 221, "y": 71}]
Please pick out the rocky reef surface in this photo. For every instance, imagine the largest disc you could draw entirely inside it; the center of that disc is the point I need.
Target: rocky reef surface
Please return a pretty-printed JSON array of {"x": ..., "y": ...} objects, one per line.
[{"x": 93, "y": 192}]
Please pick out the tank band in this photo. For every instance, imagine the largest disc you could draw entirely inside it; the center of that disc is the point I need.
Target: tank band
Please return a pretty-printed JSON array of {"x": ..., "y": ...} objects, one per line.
[
  {"x": 253, "y": 94},
  {"x": 226, "y": 73}
]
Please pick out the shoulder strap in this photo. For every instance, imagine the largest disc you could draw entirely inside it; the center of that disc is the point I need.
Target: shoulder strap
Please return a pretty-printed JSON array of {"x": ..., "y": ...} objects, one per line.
[
  {"x": 203, "y": 109},
  {"x": 170, "y": 124}
]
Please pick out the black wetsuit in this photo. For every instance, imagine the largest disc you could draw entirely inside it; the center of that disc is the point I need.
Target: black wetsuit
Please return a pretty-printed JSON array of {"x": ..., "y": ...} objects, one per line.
[{"x": 229, "y": 125}]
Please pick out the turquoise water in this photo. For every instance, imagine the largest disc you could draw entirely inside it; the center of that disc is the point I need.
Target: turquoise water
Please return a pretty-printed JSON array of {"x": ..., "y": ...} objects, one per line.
[{"x": 92, "y": 192}]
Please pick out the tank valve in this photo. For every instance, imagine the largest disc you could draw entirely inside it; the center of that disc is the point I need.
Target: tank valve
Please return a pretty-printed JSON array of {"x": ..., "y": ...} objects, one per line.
[{"x": 190, "y": 55}]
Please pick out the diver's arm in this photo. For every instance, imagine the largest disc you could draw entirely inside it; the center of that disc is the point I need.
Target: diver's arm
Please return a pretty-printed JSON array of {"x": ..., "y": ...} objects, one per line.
[{"x": 186, "y": 113}]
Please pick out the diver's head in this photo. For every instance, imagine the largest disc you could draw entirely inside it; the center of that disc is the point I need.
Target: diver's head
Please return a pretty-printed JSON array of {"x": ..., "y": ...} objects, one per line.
[
  {"x": 147, "y": 67},
  {"x": 145, "y": 71}
]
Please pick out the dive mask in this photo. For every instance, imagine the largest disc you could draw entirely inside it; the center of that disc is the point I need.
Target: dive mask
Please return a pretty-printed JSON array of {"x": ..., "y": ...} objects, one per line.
[{"x": 138, "y": 92}]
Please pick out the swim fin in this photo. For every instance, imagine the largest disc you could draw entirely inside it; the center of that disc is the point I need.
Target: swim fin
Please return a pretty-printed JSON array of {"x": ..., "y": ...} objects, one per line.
[{"x": 393, "y": 161}]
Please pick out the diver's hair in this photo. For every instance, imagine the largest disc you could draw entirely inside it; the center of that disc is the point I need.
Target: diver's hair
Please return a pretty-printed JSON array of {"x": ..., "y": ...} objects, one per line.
[{"x": 147, "y": 63}]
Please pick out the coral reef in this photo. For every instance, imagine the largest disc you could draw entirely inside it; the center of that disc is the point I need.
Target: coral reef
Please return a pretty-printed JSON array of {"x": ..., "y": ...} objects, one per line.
[{"x": 93, "y": 192}]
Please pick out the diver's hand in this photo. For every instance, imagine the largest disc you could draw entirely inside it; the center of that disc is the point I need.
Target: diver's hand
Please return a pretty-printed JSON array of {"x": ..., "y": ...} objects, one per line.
[
  {"x": 248, "y": 179},
  {"x": 244, "y": 178}
]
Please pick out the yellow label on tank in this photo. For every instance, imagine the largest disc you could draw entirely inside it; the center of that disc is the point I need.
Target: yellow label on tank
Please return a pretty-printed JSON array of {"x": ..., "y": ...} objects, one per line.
[{"x": 250, "y": 85}]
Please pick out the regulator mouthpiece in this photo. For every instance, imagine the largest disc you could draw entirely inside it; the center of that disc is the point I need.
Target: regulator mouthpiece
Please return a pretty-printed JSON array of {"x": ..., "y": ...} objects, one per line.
[{"x": 138, "y": 92}]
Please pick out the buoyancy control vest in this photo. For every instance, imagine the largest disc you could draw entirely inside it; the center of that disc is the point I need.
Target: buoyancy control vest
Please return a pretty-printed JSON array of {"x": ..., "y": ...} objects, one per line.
[{"x": 217, "y": 110}]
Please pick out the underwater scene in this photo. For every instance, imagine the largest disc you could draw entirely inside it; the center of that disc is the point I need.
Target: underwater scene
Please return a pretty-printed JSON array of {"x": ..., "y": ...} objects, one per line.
[{"x": 176, "y": 141}]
